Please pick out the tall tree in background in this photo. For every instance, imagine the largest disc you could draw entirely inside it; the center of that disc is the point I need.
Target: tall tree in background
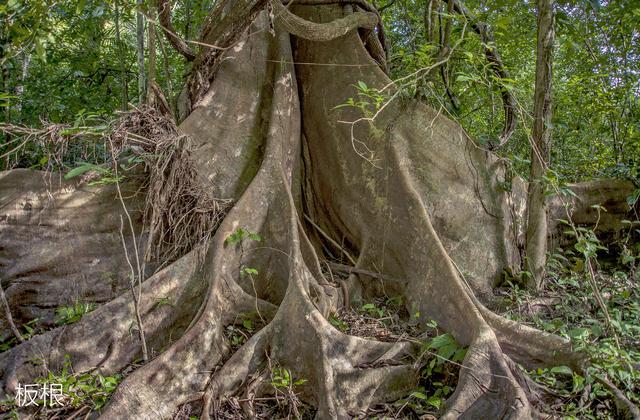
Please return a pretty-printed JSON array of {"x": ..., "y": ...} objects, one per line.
[
  {"x": 536, "y": 245},
  {"x": 152, "y": 54},
  {"x": 142, "y": 83},
  {"x": 123, "y": 71}
]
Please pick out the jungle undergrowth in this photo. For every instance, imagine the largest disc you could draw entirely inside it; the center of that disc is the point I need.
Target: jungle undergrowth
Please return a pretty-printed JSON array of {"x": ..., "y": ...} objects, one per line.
[
  {"x": 438, "y": 363},
  {"x": 567, "y": 307},
  {"x": 437, "y": 359},
  {"x": 64, "y": 315},
  {"x": 81, "y": 394}
]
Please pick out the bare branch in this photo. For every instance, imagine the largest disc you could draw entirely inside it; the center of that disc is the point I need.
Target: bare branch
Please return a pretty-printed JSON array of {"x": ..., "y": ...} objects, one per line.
[
  {"x": 497, "y": 65},
  {"x": 8, "y": 317},
  {"x": 164, "y": 15}
]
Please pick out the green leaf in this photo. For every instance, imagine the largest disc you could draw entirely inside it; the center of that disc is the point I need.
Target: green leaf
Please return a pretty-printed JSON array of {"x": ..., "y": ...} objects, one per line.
[
  {"x": 563, "y": 370},
  {"x": 84, "y": 168},
  {"x": 80, "y": 6},
  {"x": 435, "y": 402},
  {"x": 250, "y": 271},
  {"x": 248, "y": 324},
  {"x": 464, "y": 78},
  {"x": 418, "y": 395}
]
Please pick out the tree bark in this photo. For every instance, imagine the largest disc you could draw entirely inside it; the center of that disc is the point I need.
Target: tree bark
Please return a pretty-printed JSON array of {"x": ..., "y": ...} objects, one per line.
[
  {"x": 407, "y": 193},
  {"x": 142, "y": 82},
  {"x": 26, "y": 62},
  {"x": 152, "y": 55},
  {"x": 123, "y": 71},
  {"x": 536, "y": 234}
]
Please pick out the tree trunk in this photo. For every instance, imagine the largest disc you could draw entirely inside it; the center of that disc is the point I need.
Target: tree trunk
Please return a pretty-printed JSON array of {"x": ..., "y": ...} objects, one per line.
[
  {"x": 536, "y": 237},
  {"x": 4, "y": 74},
  {"x": 19, "y": 90},
  {"x": 123, "y": 71},
  {"x": 142, "y": 82},
  {"x": 407, "y": 194},
  {"x": 152, "y": 55}
]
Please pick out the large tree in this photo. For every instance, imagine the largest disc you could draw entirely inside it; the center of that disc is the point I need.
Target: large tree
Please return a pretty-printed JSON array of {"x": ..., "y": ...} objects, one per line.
[{"x": 397, "y": 186}]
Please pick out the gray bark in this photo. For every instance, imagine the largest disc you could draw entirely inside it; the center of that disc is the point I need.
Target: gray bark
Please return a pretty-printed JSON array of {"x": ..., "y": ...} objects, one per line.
[{"x": 536, "y": 237}]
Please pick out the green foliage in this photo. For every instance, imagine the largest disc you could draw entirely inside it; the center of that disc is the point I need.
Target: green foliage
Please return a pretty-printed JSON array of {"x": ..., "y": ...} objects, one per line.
[
  {"x": 239, "y": 237},
  {"x": 164, "y": 301},
  {"x": 83, "y": 389},
  {"x": 240, "y": 234},
  {"x": 372, "y": 310},
  {"x": 438, "y": 376},
  {"x": 73, "y": 313},
  {"x": 382, "y": 309},
  {"x": 282, "y": 378},
  {"x": 596, "y": 63},
  {"x": 446, "y": 350},
  {"x": 338, "y": 323},
  {"x": 249, "y": 271},
  {"x": 247, "y": 323},
  {"x": 26, "y": 330},
  {"x": 369, "y": 101},
  {"x": 106, "y": 176},
  {"x": 577, "y": 317}
]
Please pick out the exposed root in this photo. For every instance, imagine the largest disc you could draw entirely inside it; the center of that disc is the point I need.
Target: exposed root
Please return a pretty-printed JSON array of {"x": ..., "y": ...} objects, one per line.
[{"x": 291, "y": 355}]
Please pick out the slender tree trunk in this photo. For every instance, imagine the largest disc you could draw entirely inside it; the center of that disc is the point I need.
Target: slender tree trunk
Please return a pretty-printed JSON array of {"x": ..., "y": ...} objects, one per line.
[
  {"x": 4, "y": 89},
  {"x": 4, "y": 72},
  {"x": 123, "y": 71},
  {"x": 429, "y": 19},
  {"x": 187, "y": 24},
  {"x": 142, "y": 83},
  {"x": 536, "y": 238},
  {"x": 167, "y": 74},
  {"x": 26, "y": 61},
  {"x": 152, "y": 54}
]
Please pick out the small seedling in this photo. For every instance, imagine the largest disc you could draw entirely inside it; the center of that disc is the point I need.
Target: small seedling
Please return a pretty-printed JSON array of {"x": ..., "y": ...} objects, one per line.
[
  {"x": 66, "y": 315},
  {"x": 240, "y": 235},
  {"x": 80, "y": 389},
  {"x": 27, "y": 331},
  {"x": 282, "y": 378},
  {"x": 165, "y": 301},
  {"x": 372, "y": 310},
  {"x": 338, "y": 323},
  {"x": 249, "y": 271}
]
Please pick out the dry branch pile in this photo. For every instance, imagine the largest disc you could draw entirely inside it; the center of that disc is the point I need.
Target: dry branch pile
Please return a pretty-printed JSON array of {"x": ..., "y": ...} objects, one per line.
[{"x": 179, "y": 213}]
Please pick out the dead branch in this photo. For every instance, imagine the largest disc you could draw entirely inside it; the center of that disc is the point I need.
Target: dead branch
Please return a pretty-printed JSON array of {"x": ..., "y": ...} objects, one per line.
[
  {"x": 164, "y": 15},
  {"x": 132, "y": 283},
  {"x": 179, "y": 213},
  {"x": 160, "y": 101},
  {"x": 134, "y": 279},
  {"x": 497, "y": 65},
  {"x": 8, "y": 317}
]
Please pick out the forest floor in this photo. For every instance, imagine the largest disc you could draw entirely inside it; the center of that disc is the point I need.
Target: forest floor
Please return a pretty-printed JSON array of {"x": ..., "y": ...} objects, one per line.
[{"x": 566, "y": 307}]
